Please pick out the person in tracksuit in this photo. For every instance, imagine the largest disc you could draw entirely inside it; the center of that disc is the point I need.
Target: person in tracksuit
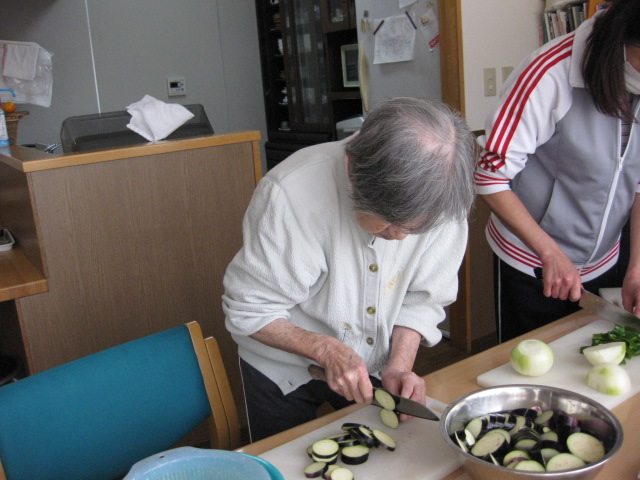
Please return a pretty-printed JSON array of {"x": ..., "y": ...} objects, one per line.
[{"x": 560, "y": 168}]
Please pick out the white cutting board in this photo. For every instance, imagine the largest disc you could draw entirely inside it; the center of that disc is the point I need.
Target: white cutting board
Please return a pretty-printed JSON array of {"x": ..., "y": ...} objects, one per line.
[
  {"x": 421, "y": 452},
  {"x": 569, "y": 369}
]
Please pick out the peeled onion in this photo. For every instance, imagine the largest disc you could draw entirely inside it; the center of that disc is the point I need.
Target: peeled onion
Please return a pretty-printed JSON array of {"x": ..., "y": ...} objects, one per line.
[
  {"x": 609, "y": 378},
  {"x": 531, "y": 358},
  {"x": 613, "y": 352}
]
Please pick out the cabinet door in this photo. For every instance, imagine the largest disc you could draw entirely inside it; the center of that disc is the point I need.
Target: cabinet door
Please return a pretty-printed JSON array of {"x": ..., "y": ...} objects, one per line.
[
  {"x": 305, "y": 61},
  {"x": 338, "y": 15}
]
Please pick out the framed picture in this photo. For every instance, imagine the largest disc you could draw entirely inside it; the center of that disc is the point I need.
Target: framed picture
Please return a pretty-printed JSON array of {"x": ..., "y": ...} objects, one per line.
[{"x": 349, "y": 55}]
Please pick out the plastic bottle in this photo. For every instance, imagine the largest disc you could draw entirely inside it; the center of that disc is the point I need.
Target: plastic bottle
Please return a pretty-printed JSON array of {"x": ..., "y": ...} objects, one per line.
[{"x": 4, "y": 134}]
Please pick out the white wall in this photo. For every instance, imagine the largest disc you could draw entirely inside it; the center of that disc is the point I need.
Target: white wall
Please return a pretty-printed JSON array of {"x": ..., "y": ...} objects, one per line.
[
  {"x": 137, "y": 44},
  {"x": 495, "y": 33}
]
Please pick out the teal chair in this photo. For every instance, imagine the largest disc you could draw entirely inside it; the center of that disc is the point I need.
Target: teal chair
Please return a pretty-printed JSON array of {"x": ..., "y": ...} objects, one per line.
[{"x": 95, "y": 417}]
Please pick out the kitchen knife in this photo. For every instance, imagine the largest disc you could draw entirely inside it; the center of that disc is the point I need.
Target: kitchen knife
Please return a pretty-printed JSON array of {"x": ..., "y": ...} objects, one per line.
[
  {"x": 599, "y": 306},
  {"x": 604, "y": 309},
  {"x": 402, "y": 405}
]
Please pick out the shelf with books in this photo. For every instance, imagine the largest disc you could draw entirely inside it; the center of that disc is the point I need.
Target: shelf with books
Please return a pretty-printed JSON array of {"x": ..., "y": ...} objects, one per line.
[{"x": 564, "y": 16}]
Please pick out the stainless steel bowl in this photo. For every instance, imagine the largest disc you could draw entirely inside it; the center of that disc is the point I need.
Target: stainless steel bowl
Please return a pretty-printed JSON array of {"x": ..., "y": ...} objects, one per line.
[{"x": 598, "y": 419}]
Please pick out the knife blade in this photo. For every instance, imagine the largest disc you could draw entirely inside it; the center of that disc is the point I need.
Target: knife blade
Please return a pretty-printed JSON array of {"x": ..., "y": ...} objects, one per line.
[
  {"x": 604, "y": 309},
  {"x": 402, "y": 405}
]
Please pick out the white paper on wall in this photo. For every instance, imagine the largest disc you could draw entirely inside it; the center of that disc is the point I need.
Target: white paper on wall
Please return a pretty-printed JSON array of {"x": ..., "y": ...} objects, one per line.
[{"x": 395, "y": 39}]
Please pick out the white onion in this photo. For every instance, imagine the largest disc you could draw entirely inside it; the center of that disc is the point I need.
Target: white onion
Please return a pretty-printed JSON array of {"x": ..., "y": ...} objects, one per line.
[
  {"x": 531, "y": 357},
  {"x": 609, "y": 378},
  {"x": 612, "y": 352}
]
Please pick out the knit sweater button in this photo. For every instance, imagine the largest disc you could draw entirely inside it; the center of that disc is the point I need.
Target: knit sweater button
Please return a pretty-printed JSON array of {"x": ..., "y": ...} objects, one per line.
[
  {"x": 370, "y": 340},
  {"x": 373, "y": 268},
  {"x": 371, "y": 310}
]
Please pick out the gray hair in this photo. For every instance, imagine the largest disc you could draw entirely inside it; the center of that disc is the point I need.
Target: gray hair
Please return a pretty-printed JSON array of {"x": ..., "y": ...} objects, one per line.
[{"x": 412, "y": 163}]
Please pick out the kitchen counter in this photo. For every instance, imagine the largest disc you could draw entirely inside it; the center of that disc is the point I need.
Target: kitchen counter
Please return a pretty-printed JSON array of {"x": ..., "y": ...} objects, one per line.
[{"x": 449, "y": 383}]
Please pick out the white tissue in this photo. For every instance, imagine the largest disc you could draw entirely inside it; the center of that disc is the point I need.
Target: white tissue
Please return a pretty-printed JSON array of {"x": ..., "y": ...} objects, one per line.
[
  {"x": 156, "y": 120},
  {"x": 20, "y": 61}
]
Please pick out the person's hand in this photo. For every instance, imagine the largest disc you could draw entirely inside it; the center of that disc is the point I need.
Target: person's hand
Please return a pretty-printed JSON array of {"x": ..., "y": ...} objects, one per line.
[
  {"x": 347, "y": 374},
  {"x": 631, "y": 293},
  {"x": 560, "y": 278},
  {"x": 407, "y": 385}
]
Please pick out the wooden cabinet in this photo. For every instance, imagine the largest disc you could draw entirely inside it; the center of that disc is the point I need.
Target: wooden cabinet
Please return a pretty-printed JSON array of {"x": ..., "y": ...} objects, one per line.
[
  {"x": 117, "y": 244},
  {"x": 338, "y": 15},
  {"x": 300, "y": 47}
]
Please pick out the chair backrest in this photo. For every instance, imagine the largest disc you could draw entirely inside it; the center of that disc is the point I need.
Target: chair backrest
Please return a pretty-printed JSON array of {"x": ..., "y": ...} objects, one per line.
[{"x": 95, "y": 417}]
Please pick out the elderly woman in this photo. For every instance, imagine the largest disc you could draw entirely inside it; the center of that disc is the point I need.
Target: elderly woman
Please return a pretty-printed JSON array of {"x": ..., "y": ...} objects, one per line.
[{"x": 351, "y": 252}]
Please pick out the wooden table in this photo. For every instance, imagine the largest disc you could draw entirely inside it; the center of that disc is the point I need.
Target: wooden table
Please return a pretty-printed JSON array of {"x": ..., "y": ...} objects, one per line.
[{"x": 453, "y": 381}]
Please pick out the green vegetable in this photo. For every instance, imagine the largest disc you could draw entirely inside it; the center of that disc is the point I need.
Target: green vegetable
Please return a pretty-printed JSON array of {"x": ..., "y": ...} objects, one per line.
[{"x": 620, "y": 333}]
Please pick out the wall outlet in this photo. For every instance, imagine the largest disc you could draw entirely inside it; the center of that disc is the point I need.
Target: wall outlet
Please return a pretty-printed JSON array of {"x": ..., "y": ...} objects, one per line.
[
  {"x": 176, "y": 86},
  {"x": 489, "y": 81}
]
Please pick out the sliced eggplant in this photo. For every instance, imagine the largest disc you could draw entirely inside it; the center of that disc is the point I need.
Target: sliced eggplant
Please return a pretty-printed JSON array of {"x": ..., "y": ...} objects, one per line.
[
  {"x": 564, "y": 461},
  {"x": 520, "y": 422},
  {"x": 458, "y": 438},
  {"x": 341, "y": 473},
  {"x": 315, "y": 470},
  {"x": 327, "y": 474},
  {"x": 545, "y": 418},
  {"x": 325, "y": 448},
  {"x": 355, "y": 455},
  {"x": 349, "y": 425},
  {"x": 364, "y": 435},
  {"x": 339, "y": 436},
  {"x": 528, "y": 413},
  {"x": 389, "y": 418},
  {"x": 529, "y": 466},
  {"x": 547, "y": 454},
  {"x": 549, "y": 435},
  {"x": 385, "y": 399},
  {"x": 384, "y": 440},
  {"x": 515, "y": 456},
  {"x": 490, "y": 443},
  {"x": 347, "y": 442},
  {"x": 477, "y": 426},
  {"x": 328, "y": 461},
  {"x": 585, "y": 446}
]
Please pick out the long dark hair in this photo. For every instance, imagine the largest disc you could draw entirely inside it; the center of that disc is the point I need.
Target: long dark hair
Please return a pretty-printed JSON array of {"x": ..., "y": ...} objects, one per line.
[{"x": 602, "y": 66}]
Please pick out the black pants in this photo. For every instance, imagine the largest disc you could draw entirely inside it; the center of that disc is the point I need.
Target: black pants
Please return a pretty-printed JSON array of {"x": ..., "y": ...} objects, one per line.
[
  {"x": 271, "y": 412},
  {"x": 521, "y": 306}
]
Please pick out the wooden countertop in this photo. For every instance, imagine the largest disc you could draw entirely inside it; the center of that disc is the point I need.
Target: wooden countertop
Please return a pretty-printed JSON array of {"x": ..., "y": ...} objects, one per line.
[
  {"x": 30, "y": 159},
  {"x": 453, "y": 381}
]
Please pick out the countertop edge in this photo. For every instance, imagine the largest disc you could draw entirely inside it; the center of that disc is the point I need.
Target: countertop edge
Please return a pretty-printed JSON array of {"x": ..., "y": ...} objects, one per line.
[{"x": 27, "y": 159}]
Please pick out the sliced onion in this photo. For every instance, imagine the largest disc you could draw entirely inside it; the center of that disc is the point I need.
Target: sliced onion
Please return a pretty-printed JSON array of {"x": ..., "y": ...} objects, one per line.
[{"x": 613, "y": 352}]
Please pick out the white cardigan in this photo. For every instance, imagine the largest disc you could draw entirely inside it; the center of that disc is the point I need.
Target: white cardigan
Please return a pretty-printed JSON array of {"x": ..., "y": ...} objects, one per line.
[{"x": 306, "y": 259}]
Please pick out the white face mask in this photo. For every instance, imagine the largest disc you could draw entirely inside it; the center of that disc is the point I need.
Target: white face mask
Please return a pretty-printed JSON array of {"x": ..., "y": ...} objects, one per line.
[{"x": 631, "y": 76}]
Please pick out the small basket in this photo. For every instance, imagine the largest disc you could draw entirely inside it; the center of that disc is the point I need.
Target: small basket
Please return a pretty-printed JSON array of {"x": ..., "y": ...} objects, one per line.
[
  {"x": 12, "y": 125},
  {"x": 6, "y": 240}
]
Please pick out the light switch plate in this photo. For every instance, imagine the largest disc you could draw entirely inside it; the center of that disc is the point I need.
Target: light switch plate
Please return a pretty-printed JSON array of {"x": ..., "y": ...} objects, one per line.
[
  {"x": 489, "y": 81},
  {"x": 176, "y": 86}
]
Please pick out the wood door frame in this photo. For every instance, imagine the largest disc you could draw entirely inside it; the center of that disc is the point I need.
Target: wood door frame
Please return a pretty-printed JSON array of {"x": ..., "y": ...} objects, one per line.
[{"x": 452, "y": 79}]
